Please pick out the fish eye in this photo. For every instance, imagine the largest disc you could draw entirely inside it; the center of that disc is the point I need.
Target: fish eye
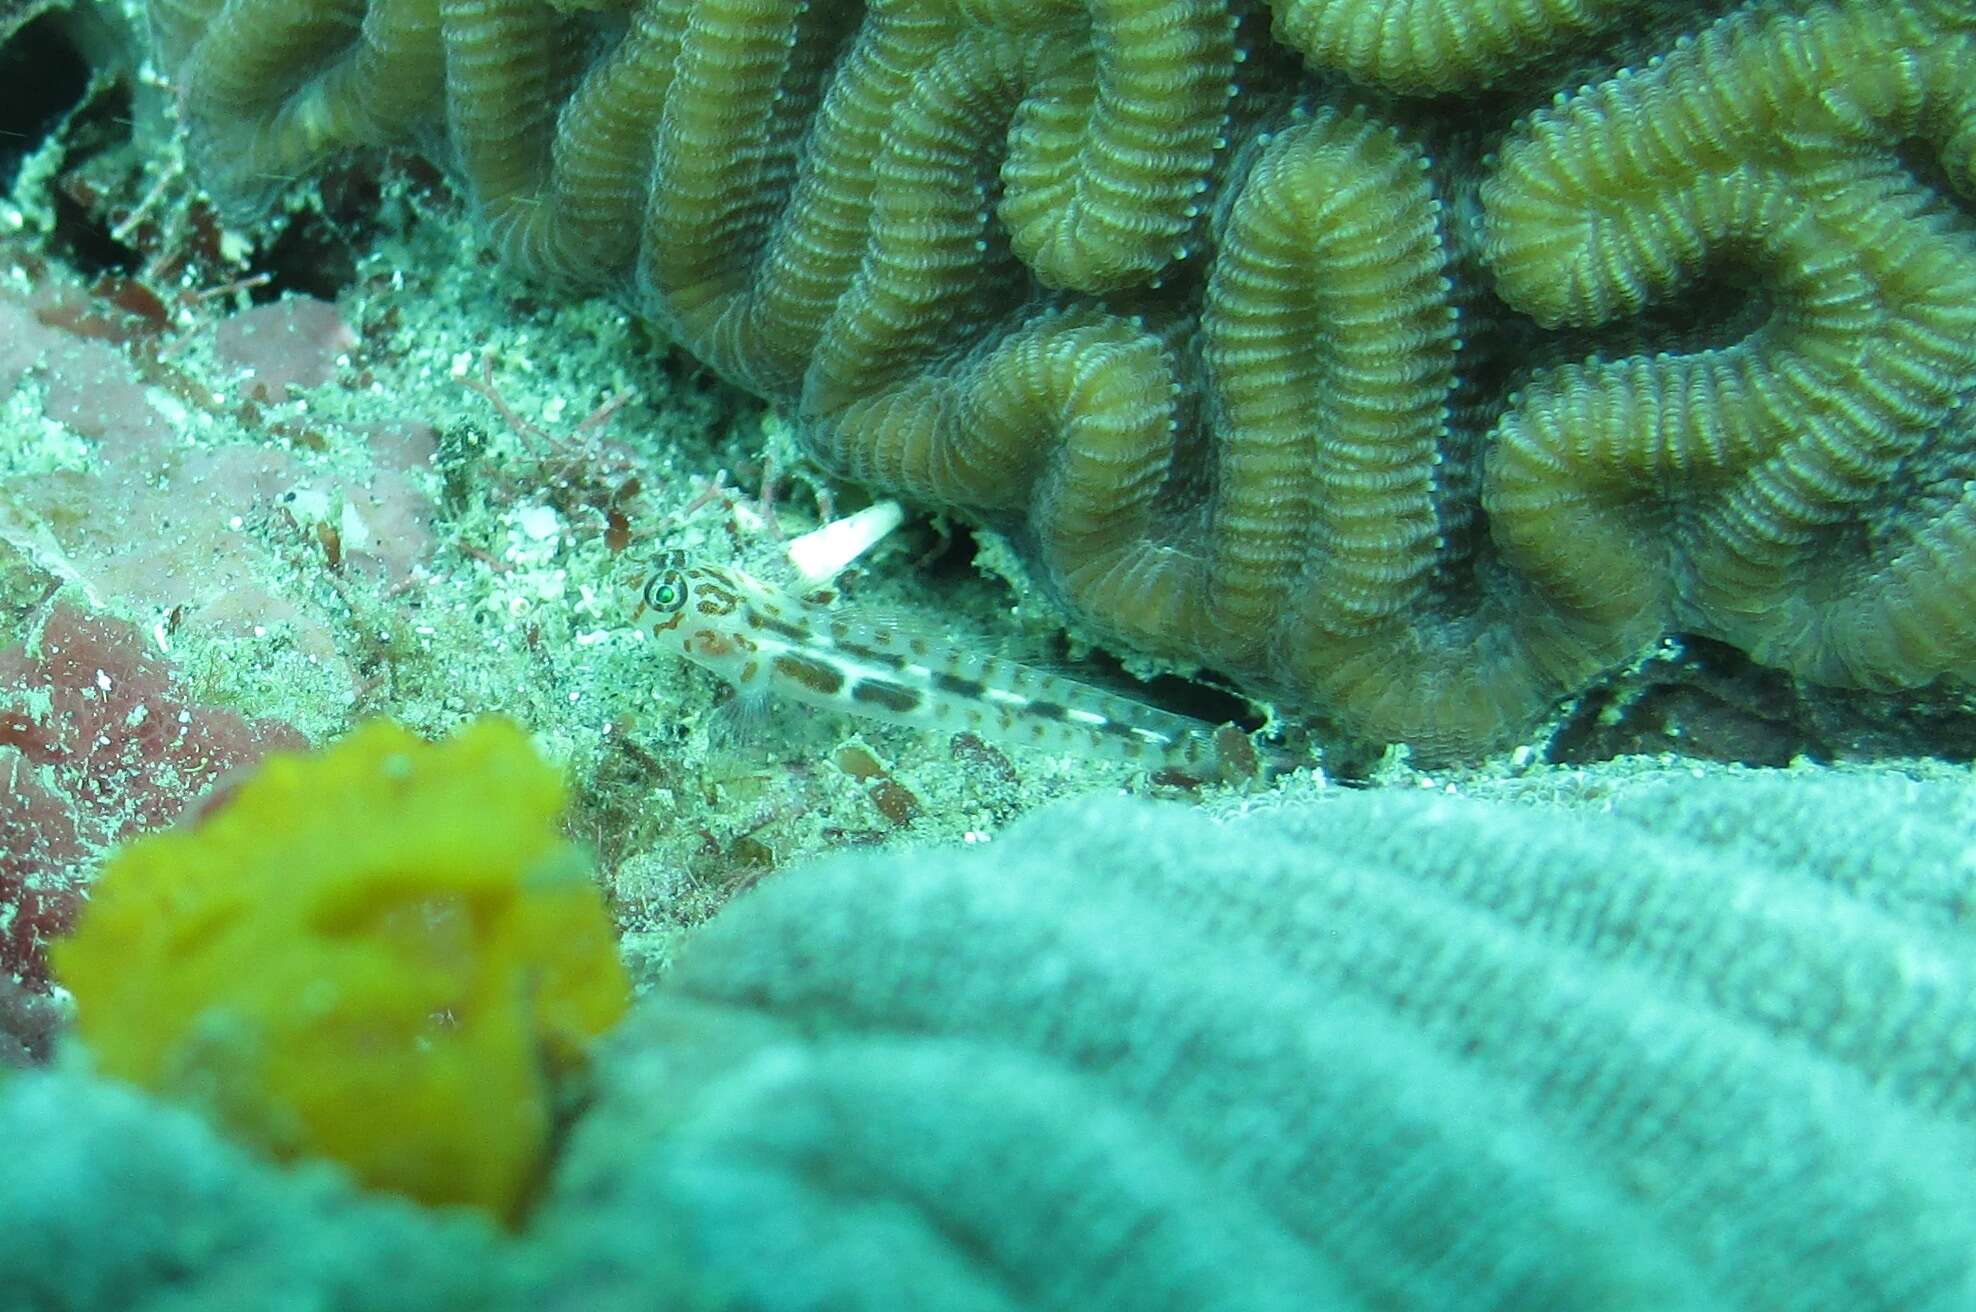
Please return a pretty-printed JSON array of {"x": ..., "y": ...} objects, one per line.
[{"x": 664, "y": 593}]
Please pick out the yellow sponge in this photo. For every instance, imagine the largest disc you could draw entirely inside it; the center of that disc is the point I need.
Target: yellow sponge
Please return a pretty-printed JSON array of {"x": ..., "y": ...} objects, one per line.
[{"x": 382, "y": 953}]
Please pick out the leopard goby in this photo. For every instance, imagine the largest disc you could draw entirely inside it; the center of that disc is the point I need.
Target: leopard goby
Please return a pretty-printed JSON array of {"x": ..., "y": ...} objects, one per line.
[{"x": 1412, "y": 361}]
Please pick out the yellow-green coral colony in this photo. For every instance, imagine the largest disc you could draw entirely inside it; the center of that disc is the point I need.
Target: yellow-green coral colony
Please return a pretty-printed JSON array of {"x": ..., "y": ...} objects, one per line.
[
  {"x": 383, "y": 953},
  {"x": 1256, "y": 324}
]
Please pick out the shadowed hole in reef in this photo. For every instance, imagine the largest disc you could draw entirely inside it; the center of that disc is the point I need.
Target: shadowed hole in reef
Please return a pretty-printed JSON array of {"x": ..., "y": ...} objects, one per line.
[
  {"x": 85, "y": 234},
  {"x": 1704, "y": 699},
  {"x": 45, "y": 77},
  {"x": 1923, "y": 161},
  {"x": 69, "y": 73},
  {"x": 1697, "y": 697}
]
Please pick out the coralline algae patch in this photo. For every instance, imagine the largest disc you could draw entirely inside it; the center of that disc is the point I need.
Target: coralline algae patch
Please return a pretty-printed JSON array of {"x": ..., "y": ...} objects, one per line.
[
  {"x": 98, "y": 741},
  {"x": 402, "y": 501}
]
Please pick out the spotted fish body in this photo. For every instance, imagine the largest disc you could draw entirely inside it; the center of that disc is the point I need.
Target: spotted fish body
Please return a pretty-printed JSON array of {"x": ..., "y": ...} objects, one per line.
[{"x": 763, "y": 640}]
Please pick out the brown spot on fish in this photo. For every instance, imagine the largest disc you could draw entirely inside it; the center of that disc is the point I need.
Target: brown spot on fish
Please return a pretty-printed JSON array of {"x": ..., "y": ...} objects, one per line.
[
  {"x": 864, "y": 652},
  {"x": 780, "y": 628},
  {"x": 709, "y": 643},
  {"x": 713, "y": 599},
  {"x": 971, "y": 689},
  {"x": 818, "y": 677},
  {"x": 891, "y": 696}
]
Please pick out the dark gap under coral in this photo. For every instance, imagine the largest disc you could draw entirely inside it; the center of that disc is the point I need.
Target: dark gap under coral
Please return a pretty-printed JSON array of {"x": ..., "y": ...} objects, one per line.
[{"x": 46, "y": 78}]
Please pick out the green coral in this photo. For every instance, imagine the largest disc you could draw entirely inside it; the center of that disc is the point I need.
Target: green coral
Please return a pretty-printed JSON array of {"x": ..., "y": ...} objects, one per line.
[
  {"x": 1454, "y": 1056},
  {"x": 1110, "y": 275},
  {"x": 1702, "y": 1043},
  {"x": 1425, "y": 46}
]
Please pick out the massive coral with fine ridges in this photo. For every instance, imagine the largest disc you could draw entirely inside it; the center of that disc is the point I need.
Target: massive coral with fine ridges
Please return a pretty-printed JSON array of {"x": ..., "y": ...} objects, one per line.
[
  {"x": 1690, "y": 1043},
  {"x": 1295, "y": 343}
]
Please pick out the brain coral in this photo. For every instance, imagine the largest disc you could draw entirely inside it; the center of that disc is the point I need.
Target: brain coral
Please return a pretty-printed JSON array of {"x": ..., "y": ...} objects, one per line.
[
  {"x": 1321, "y": 345},
  {"x": 1709, "y": 1043}
]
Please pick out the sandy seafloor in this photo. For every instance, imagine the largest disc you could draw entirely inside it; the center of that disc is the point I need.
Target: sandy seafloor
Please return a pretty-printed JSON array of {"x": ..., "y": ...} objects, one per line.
[{"x": 480, "y": 567}]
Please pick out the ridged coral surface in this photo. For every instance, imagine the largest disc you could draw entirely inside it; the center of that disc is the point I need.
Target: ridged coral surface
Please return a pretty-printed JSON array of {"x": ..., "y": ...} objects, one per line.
[
  {"x": 1320, "y": 345},
  {"x": 1694, "y": 1043}
]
